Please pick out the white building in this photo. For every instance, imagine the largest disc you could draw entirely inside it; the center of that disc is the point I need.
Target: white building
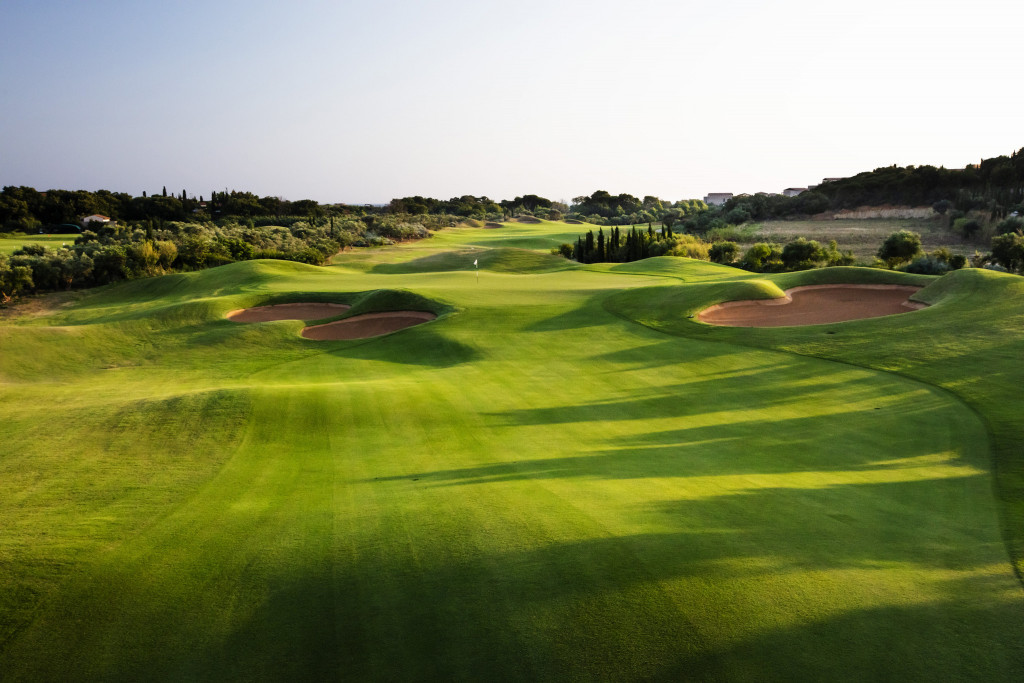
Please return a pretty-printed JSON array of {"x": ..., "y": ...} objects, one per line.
[
  {"x": 793, "y": 191},
  {"x": 717, "y": 198},
  {"x": 96, "y": 218}
]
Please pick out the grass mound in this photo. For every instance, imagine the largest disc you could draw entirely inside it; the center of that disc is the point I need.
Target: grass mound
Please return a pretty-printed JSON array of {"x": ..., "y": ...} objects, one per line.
[
  {"x": 385, "y": 300},
  {"x": 682, "y": 268},
  {"x": 512, "y": 260}
]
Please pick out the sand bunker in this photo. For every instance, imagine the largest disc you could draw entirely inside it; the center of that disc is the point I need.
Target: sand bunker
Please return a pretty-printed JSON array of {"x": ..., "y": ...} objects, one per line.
[
  {"x": 814, "y": 305},
  {"x": 367, "y": 325},
  {"x": 263, "y": 314}
]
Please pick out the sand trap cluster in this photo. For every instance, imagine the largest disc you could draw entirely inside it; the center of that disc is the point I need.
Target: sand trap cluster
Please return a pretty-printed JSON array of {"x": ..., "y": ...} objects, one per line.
[
  {"x": 814, "y": 305},
  {"x": 367, "y": 325},
  {"x": 356, "y": 327}
]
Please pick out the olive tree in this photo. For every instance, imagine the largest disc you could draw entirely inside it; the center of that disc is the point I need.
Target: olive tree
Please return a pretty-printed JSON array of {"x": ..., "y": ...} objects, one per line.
[{"x": 900, "y": 247}]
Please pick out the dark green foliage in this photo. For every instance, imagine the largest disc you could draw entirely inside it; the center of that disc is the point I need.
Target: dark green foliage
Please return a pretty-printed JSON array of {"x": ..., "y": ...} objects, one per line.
[
  {"x": 1008, "y": 251},
  {"x": 603, "y": 208},
  {"x": 926, "y": 265},
  {"x": 724, "y": 252},
  {"x": 1011, "y": 224},
  {"x": 763, "y": 257},
  {"x": 801, "y": 254},
  {"x": 968, "y": 227},
  {"x": 613, "y": 248},
  {"x": 900, "y": 247}
]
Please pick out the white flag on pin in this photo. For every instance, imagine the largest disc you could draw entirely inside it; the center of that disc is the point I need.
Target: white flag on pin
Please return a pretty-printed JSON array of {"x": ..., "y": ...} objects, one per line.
[{"x": 474, "y": 261}]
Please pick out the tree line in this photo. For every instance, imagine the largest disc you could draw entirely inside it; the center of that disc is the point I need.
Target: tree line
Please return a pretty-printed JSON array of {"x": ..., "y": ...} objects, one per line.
[
  {"x": 616, "y": 248},
  {"x": 107, "y": 253},
  {"x": 995, "y": 186}
]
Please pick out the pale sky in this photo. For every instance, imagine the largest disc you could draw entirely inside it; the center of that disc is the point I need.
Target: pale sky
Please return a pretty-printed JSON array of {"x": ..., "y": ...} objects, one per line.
[{"x": 361, "y": 101}]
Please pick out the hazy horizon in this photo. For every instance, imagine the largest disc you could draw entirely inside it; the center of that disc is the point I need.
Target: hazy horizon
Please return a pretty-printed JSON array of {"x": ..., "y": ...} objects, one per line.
[{"x": 363, "y": 102}]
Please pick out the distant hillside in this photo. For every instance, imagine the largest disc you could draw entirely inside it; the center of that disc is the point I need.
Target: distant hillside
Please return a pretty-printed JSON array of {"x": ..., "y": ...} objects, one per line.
[{"x": 994, "y": 184}]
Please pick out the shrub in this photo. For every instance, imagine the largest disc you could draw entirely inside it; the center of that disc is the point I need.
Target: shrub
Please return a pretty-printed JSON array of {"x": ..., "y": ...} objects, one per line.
[
  {"x": 723, "y": 252},
  {"x": 834, "y": 257},
  {"x": 926, "y": 265},
  {"x": 801, "y": 254},
  {"x": 763, "y": 257},
  {"x": 688, "y": 246},
  {"x": 737, "y": 216},
  {"x": 1011, "y": 224},
  {"x": 564, "y": 249},
  {"x": 900, "y": 247},
  {"x": 1008, "y": 251},
  {"x": 967, "y": 227}
]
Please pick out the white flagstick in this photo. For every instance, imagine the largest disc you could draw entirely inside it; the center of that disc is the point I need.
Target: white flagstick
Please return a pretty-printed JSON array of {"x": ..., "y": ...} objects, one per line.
[{"x": 477, "y": 269}]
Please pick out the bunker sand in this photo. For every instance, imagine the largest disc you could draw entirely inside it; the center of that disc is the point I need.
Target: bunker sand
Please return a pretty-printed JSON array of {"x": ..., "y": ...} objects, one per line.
[
  {"x": 367, "y": 325},
  {"x": 263, "y": 314},
  {"x": 814, "y": 305}
]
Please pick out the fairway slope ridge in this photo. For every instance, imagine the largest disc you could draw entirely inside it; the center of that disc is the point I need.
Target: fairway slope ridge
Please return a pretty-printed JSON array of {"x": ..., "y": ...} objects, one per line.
[
  {"x": 563, "y": 476},
  {"x": 502, "y": 260}
]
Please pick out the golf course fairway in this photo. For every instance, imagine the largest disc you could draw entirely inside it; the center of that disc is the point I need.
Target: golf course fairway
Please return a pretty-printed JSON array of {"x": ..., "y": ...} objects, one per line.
[{"x": 564, "y": 476}]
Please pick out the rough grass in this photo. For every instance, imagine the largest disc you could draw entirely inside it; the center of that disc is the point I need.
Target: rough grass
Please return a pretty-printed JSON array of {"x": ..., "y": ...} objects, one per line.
[
  {"x": 864, "y": 236},
  {"x": 534, "y": 487}
]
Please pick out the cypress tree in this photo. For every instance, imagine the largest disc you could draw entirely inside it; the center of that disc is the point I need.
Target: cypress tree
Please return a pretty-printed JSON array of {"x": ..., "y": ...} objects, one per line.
[
  {"x": 165, "y": 190},
  {"x": 600, "y": 246}
]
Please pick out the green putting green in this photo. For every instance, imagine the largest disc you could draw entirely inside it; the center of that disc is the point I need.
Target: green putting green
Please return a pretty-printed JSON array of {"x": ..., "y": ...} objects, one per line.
[{"x": 563, "y": 476}]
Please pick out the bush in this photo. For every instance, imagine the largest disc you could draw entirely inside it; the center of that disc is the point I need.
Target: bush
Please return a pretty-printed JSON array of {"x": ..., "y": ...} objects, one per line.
[
  {"x": 1011, "y": 224},
  {"x": 763, "y": 257},
  {"x": 967, "y": 227},
  {"x": 737, "y": 216},
  {"x": 900, "y": 247},
  {"x": 723, "y": 252},
  {"x": 926, "y": 265},
  {"x": 801, "y": 254},
  {"x": 687, "y": 246},
  {"x": 1008, "y": 251},
  {"x": 834, "y": 257},
  {"x": 564, "y": 249}
]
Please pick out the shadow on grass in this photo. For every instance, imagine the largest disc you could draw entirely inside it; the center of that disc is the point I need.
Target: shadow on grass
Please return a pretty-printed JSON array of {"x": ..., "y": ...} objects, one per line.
[
  {"x": 417, "y": 345},
  {"x": 744, "y": 391},
  {"x": 857, "y": 582},
  {"x": 782, "y": 591}
]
